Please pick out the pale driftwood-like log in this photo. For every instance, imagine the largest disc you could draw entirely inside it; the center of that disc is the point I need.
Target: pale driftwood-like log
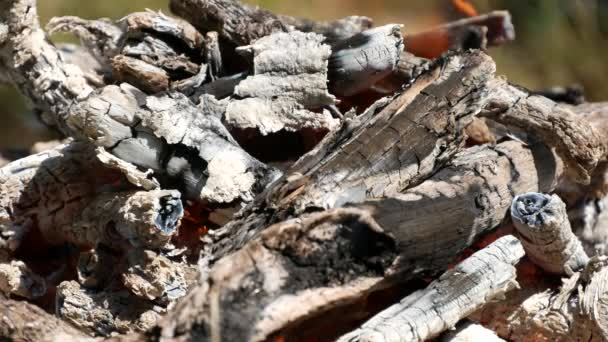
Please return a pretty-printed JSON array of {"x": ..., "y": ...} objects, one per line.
[
  {"x": 360, "y": 61},
  {"x": 289, "y": 82},
  {"x": 536, "y": 312},
  {"x": 58, "y": 192},
  {"x": 578, "y": 143},
  {"x": 199, "y": 151},
  {"x": 494, "y": 28},
  {"x": 426, "y": 313},
  {"x": 26, "y": 322},
  {"x": 542, "y": 222},
  {"x": 470, "y": 332},
  {"x": 16, "y": 279},
  {"x": 104, "y": 312},
  {"x": 303, "y": 268}
]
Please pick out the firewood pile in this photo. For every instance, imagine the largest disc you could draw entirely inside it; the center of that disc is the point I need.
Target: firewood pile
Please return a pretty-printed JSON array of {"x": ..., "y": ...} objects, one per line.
[{"x": 231, "y": 174}]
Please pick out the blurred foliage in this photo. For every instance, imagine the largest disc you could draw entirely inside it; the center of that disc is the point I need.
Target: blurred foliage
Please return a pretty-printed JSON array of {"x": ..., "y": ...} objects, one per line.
[{"x": 559, "y": 42}]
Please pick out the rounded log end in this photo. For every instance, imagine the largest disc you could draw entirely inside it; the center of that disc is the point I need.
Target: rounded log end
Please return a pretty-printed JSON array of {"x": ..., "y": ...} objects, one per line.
[{"x": 529, "y": 208}]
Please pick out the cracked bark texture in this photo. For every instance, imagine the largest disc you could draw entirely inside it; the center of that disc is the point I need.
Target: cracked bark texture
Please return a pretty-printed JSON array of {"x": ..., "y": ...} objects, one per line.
[
  {"x": 396, "y": 144},
  {"x": 288, "y": 89},
  {"x": 241, "y": 24},
  {"x": 301, "y": 269},
  {"x": 61, "y": 193},
  {"x": 426, "y": 313},
  {"x": 209, "y": 163},
  {"x": 543, "y": 225}
]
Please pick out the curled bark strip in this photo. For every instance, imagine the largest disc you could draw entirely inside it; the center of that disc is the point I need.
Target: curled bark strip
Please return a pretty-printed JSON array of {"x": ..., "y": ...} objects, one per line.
[
  {"x": 576, "y": 312},
  {"x": 26, "y": 322},
  {"x": 425, "y": 314},
  {"x": 144, "y": 76},
  {"x": 104, "y": 312},
  {"x": 577, "y": 142},
  {"x": 360, "y": 61},
  {"x": 494, "y": 28},
  {"x": 542, "y": 222},
  {"x": 17, "y": 279},
  {"x": 288, "y": 84}
]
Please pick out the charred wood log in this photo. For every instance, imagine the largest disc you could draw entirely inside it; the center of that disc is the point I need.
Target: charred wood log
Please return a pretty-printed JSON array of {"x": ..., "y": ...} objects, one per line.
[
  {"x": 542, "y": 222},
  {"x": 204, "y": 158},
  {"x": 477, "y": 32},
  {"x": 58, "y": 192},
  {"x": 426, "y": 313}
]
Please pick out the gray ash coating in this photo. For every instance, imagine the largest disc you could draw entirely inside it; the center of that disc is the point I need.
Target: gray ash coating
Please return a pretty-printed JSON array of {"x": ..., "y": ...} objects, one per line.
[{"x": 530, "y": 208}]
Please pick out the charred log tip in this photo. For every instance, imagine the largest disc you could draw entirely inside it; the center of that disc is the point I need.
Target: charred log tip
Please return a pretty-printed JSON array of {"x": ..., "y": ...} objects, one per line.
[
  {"x": 170, "y": 214},
  {"x": 529, "y": 208}
]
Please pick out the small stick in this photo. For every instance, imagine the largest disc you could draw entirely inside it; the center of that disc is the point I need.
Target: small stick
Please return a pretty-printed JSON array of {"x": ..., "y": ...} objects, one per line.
[{"x": 542, "y": 223}]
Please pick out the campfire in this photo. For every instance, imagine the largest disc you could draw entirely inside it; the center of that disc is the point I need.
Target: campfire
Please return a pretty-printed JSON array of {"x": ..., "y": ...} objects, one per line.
[{"x": 232, "y": 174}]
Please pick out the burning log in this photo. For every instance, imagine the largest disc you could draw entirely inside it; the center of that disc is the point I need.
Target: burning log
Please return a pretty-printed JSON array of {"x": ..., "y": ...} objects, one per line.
[{"x": 387, "y": 194}]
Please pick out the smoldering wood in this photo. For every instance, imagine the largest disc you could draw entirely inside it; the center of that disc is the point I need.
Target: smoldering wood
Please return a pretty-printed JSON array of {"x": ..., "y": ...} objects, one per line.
[
  {"x": 374, "y": 157},
  {"x": 491, "y": 29},
  {"x": 154, "y": 277},
  {"x": 103, "y": 312},
  {"x": 467, "y": 331},
  {"x": 60, "y": 191},
  {"x": 542, "y": 222},
  {"x": 288, "y": 88},
  {"x": 101, "y": 37},
  {"x": 426, "y": 313},
  {"x": 360, "y": 61},
  {"x": 357, "y": 249},
  {"x": 22, "y": 321},
  {"x": 536, "y": 311},
  {"x": 573, "y": 95}
]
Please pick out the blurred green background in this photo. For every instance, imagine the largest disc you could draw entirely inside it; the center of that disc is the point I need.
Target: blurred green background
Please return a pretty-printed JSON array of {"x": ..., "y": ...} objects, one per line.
[{"x": 559, "y": 42}]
